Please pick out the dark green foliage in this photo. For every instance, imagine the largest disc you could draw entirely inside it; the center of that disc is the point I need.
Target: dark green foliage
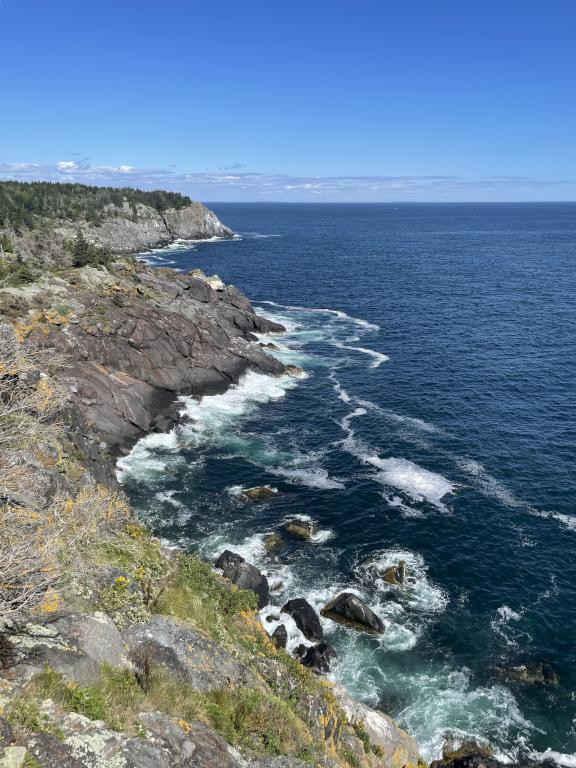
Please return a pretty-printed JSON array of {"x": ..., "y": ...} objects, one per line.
[
  {"x": 23, "y": 204},
  {"x": 6, "y": 244},
  {"x": 84, "y": 252},
  {"x": 15, "y": 272}
]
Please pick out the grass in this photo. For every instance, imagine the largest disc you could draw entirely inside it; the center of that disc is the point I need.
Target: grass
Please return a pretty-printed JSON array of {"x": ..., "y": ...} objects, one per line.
[{"x": 245, "y": 717}]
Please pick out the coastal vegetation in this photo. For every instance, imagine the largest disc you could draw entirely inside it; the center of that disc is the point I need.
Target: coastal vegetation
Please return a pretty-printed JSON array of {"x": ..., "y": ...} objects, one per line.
[{"x": 24, "y": 204}]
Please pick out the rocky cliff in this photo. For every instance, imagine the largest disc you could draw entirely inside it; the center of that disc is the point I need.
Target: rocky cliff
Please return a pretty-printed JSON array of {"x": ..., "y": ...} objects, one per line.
[
  {"x": 131, "y": 228},
  {"x": 115, "y": 651}
]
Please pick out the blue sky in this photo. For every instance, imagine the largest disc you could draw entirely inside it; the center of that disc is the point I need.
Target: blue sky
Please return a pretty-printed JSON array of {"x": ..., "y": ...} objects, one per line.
[{"x": 342, "y": 100}]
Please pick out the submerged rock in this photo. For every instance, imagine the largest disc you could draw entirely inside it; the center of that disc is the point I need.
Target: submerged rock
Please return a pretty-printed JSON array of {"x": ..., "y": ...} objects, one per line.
[
  {"x": 305, "y": 617},
  {"x": 280, "y": 636},
  {"x": 260, "y": 492},
  {"x": 228, "y": 560},
  {"x": 349, "y": 609},
  {"x": 273, "y": 543},
  {"x": 317, "y": 657},
  {"x": 303, "y": 529},
  {"x": 532, "y": 673},
  {"x": 247, "y": 576},
  {"x": 293, "y": 370}
]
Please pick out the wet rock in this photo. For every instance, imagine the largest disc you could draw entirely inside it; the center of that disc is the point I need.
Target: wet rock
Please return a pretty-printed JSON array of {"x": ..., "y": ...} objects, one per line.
[
  {"x": 260, "y": 493},
  {"x": 280, "y": 636},
  {"x": 302, "y": 529},
  {"x": 451, "y": 751},
  {"x": 247, "y": 576},
  {"x": 273, "y": 543},
  {"x": 305, "y": 617},
  {"x": 294, "y": 370},
  {"x": 350, "y": 610},
  {"x": 185, "y": 653},
  {"x": 532, "y": 673},
  {"x": 317, "y": 657},
  {"x": 228, "y": 560},
  {"x": 395, "y": 574},
  {"x": 271, "y": 345}
]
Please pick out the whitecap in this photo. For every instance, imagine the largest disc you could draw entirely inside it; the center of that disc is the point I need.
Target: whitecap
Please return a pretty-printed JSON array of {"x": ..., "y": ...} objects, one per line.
[
  {"x": 560, "y": 758},
  {"x": 212, "y": 415},
  {"x": 316, "y": 477},
  {"x": 419, "y": 593},
  {"x": 446, "y": 706},
  {"x": 322, "y": 310},
  {"x": 377, "y": 357},
  {"x": 418, "y": 483}
]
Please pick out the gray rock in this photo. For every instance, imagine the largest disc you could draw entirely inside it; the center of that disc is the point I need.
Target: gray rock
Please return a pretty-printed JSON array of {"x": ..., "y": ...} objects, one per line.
[
  {"x": 228, "y": 560},
  {"x": 349, "y": 609},
  {"x": 184, "y": 652},
  {"x": 247, "y": 576},
  {"x": 127, "y": 364},
  {"x": 76, "y": 645}
]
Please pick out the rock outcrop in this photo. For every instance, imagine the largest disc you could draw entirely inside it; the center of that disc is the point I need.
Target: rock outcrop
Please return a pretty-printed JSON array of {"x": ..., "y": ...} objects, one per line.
[
  {"x": 130, "y": 228},
  {"x": 133, "y": 341}
]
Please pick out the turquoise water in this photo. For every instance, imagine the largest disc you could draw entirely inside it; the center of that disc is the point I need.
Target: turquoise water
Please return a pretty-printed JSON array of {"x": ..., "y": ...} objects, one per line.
[{"x": 436, "y": 423}]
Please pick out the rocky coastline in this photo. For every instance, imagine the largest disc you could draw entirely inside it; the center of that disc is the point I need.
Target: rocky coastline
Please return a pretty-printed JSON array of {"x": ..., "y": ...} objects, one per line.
[{"x": 121, "y": 652}]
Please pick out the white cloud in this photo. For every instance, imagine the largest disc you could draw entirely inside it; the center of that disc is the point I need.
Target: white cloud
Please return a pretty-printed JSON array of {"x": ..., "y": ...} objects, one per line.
[{"x": 225, "y": 186}]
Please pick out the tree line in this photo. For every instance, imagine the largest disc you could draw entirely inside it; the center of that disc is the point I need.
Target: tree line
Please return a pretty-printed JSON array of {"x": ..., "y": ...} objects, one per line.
[{"x": 22, "y": 203}]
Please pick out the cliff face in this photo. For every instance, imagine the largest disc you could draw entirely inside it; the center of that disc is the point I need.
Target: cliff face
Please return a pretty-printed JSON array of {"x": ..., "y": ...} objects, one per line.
[
  {"x": 133, "y": 339},
  {"x": 130, "y": 228}
]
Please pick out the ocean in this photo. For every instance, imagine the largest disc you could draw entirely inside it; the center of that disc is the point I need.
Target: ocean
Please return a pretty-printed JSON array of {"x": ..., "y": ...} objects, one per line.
[{"x": 435, "y": 423}]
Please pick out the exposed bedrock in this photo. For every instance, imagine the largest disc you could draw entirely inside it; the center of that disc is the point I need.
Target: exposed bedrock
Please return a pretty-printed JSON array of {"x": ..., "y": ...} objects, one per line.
[{"x": 135, "y": 339}]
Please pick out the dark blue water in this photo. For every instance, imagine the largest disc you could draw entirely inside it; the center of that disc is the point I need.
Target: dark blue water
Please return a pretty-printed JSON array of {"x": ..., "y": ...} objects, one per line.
[{"x": 455, "y": 454}]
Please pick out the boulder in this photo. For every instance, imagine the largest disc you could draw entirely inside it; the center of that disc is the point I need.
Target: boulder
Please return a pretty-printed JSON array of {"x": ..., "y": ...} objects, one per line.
[
  {"x": 185, "y": 653},
  {"x": 228, "y": 560},
  {"x": 302, "y": 529},
  {"x": 305, "y": 617},
  {"x": 317, "y": 657},
  {"x": 75, "y": 644},
  {"x": 247, "y": 576},
  {"x": 260, "y": 493},
  {"x": 280, "y": 636},
  {"x": 350, "y": 610},
  {"x": 395, "y": 574},
  {"x": 273, "y": 543}
]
